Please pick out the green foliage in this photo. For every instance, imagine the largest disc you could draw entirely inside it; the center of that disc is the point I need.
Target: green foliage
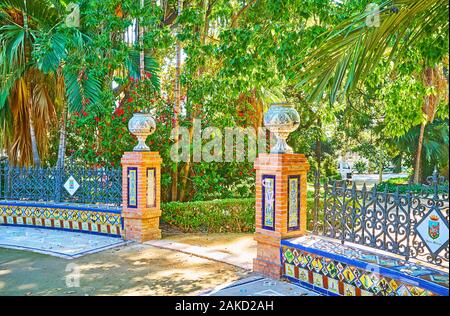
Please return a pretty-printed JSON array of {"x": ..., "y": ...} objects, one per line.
[
  {"x": 360, "y": 166},
  {"x": 217, "y": 216},
  {"x": 398, "y": 184}
]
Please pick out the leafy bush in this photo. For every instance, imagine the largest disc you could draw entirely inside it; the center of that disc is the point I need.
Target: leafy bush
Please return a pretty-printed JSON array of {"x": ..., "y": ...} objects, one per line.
[
  {"x": 360, "y": 166},
  {"x": 216, "y": 216},
  {"x": 392, "y": 187},
  {"x": 220, "y": 216}
]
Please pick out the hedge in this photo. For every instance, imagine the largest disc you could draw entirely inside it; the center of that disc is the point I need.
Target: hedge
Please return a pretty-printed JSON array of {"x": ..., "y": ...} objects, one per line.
[{"x": 216, "y": 216}]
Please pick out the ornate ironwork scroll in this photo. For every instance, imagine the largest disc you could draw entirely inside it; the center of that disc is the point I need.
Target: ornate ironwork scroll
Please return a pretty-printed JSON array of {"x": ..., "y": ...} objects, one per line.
[{"x": 409, "y": 222}]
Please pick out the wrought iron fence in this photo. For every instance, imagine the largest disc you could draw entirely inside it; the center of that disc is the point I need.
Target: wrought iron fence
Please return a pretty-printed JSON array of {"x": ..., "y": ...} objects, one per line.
[
  {"x": 411, "y": 222},
  {"x": 73, "y": 184}
]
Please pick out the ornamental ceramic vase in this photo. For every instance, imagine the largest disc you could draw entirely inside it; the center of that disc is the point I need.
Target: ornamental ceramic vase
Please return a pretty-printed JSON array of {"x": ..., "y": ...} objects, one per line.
[
  {"x": 281, "y": 119},
  {"x": 141, "y": 125}
]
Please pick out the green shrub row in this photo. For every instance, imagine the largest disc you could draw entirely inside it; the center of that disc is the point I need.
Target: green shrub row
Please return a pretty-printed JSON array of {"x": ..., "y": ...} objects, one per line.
[
  {"x": 413, "y": 188},
  {"x": 216, "y": 216}
]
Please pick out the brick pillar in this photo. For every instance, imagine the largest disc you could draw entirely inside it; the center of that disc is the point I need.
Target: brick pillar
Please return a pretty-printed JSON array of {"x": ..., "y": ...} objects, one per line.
[
  {"x": 280, "y": 186},
  {"x": 141, "y": 191}
]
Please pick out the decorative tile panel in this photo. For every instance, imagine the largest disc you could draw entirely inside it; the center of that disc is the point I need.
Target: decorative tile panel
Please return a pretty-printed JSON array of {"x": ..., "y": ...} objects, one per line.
[
  {"x": 293, "y": 202},
  {"x": 268, "y": 202},
  {"x": 132, "y": 187},
  {"x": 63, "y": 217},
  {"x": 332, "y": 268},
  {"x": 151, "y": 187}
]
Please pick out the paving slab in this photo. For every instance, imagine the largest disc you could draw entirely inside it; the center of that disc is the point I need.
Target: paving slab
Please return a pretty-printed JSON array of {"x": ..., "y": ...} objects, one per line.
[
  {"x": 257, "y": 285},
  {"x": 59, "y": 243},
  {"x": 234, "y": 258}
]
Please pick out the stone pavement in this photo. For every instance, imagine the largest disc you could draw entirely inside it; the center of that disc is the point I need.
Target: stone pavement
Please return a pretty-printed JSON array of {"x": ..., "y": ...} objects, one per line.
[
  {"x": 257, "y": 285},
  {"x": 238, "y": 251},
  {"x": 201, "y": 257},
  {"x": 59, "y": 243},
  {"x": 236, "y": 258}
]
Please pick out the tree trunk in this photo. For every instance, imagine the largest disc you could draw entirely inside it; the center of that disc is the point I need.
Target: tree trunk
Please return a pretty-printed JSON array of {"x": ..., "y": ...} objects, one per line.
[
  {"x": 429, "y": 109},
  {"x": 186, "y": 169},
  {"x": 34, "y": 147},
  {"x": 29, "y": 89},
  {"x": 418, "y": 162},
  {"x": 141, "y": 43},
  {"x": 62, "y": 141},
  {"x": 319, "y": 147},
  {"x": 177, "y": 94},
  {"x": 380, "y": 173}
]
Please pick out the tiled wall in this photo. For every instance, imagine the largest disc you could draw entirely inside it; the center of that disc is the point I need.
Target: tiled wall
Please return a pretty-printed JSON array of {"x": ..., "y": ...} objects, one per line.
[
  {"x": 102, "y": 221},
  {"x": 330, "y": 276}
]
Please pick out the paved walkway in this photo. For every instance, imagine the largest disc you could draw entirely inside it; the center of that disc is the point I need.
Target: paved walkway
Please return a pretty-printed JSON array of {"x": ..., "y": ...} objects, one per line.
[
  {"x": 211, "y": 265},
  {"x": 256, "y": 285},
  {"x": 59, "y": 243},
  {"x": 233, "y": 255}
]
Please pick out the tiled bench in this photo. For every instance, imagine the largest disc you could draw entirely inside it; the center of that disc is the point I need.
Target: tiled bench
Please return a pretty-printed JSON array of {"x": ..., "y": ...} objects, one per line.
[
  {"x": 331, "y": 268},
  {"x": 92, "y": 219}
]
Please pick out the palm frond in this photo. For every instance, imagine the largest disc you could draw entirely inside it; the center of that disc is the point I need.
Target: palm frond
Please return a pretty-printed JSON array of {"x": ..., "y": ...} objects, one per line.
[
  {"x": 151, "y": 66},
  {"x": 79, "y": 88},
  {"x": 353, "y": 50}
]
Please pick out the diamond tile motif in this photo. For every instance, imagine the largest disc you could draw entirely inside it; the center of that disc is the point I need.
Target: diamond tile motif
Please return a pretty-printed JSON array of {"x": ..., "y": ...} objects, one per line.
[
  {"x": 348, "y": 275},
  {"x": 403, "y": 291},
  {"x": 366, "y": 281},
  {"x": 289, "y": 255},
  {"x": 433, "y": 230},
  {"x": 71, "y": 185},
  {"x": 317, "y": 264},
  {"x": 393, "y": 285},
  {"x": 346, "y": 278},
  {"x": 331, "y": 267}
]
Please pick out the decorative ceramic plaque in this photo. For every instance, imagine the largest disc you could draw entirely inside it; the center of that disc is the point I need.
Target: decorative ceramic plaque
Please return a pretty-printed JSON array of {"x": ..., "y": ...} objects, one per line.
[
  {"x": 433, "y": 230},
  {"x": 293, "y": 202},
  {"x": 132, "y": 187},
  {"x": 151, "y": 187},
  {"x": 268, "y": 202},
  {"x": 71, "y": 185}
]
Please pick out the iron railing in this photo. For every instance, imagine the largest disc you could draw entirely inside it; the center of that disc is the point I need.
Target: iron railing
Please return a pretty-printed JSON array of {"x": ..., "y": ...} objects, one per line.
[
  {"x": 409, "y": 222},
  {"x": 94, "y": 185}
]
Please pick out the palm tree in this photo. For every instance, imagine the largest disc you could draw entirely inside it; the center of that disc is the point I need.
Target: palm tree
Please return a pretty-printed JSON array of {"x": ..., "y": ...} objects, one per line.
[
  {"x": 435, "y": 145},
  {"x": 35, "y": 87},
  {"x": 24, "y": 94},
  {"x": 354, "y": 49}
]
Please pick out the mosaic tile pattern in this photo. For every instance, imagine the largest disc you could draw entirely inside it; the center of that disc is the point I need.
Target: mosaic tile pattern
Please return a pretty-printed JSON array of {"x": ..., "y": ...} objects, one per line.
[
  {"x": 132, "y": 187},
  {"x": 268, "y": 203},
  {"x": 294, "y": 202},
  {"x": 335, "y": 269},
  {"x": 71, "y": 218}
]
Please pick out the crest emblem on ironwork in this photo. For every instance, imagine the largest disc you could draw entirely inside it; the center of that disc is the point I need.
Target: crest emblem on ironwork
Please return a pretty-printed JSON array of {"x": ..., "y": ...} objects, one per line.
[
  {"x": 433, "y": 227},
  {"x": 71, "y": 185}
]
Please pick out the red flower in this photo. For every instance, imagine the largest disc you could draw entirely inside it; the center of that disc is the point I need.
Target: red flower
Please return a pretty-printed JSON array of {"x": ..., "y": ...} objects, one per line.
[
  {"x": 85, "y": 113},
  {"x": 130, "y": 100},
  {"x": 113, "y": 117},
  {"x": 97, "y": 119},
  {"x": 241, "y": 114},
  {"x": 148, "y": 75},
  {"x": 119, "y": 112}
]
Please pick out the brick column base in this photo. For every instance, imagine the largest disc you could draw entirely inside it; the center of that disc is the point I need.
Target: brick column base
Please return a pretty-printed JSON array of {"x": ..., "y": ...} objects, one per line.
[
  {"x": 141, "y": 191},
  {"x": 280, "y": 207},
  {"x": 268, "y": 261}
]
